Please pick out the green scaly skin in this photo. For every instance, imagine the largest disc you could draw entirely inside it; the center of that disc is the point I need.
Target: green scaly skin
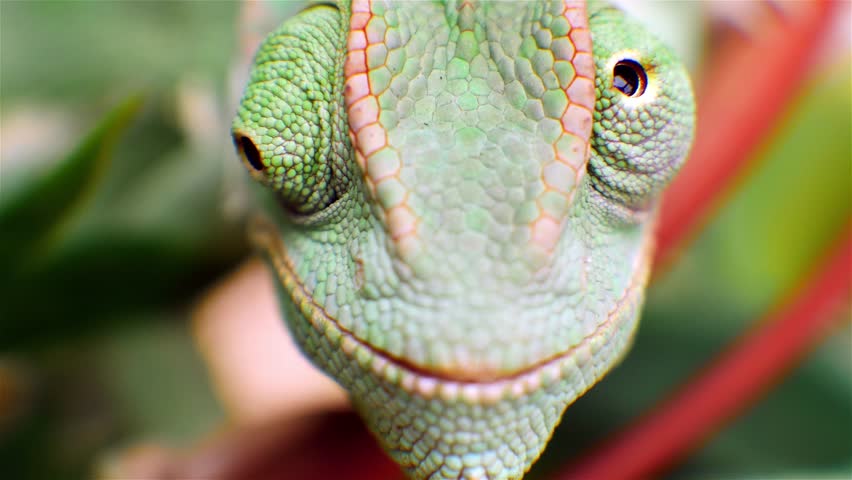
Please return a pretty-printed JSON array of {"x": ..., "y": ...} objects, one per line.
[{"x": 461, "y": 202}]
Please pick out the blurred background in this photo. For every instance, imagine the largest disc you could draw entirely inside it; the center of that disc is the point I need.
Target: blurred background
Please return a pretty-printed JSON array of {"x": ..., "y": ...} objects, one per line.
[{"x": 122, "y": 204}]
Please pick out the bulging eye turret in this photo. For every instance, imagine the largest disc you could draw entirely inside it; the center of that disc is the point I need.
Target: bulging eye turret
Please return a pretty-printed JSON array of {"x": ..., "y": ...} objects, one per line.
[
  {"x": 644, "y": 113},
  {"x": 290, "y": 131}
]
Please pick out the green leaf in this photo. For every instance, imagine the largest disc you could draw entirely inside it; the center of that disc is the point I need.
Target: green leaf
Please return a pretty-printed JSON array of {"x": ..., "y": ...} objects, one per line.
[{"x": 34, "y": 219}]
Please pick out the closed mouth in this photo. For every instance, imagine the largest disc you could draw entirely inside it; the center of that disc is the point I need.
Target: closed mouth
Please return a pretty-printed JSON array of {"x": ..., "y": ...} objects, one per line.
[{"x": 450, "y": 385}]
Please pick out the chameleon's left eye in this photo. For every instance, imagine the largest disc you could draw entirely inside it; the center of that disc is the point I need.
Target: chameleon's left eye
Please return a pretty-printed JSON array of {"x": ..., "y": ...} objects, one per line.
[
  {"x": 642, "y": 130},
  {"x": 629, "y": 78}
]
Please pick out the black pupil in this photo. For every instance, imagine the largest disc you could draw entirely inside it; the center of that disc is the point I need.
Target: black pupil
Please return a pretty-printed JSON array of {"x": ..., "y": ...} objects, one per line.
[
  {"x": 629, "y": 78},
  {"x": 251, "y": 153}
]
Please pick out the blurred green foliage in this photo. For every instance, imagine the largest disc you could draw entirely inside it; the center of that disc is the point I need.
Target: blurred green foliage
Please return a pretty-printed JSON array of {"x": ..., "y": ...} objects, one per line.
[
  {"x": 71, "y": 51},
  {"x": 124, "y": 224},
  {"x": 105, "y": 248}
]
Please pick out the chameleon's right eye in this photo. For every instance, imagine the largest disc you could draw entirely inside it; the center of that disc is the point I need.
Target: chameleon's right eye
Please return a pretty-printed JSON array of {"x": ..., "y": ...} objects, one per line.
[
  {"x": 248, "y": 152},
  {"x": 290, "y": 131}
]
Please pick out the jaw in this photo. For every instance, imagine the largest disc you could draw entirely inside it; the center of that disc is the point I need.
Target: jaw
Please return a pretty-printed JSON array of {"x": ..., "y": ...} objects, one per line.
[{"x": 445, "y": 424}]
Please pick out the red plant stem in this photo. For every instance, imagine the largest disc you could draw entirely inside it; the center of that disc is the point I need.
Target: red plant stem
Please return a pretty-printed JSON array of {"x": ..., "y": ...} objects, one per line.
[
  {"x": 734, "y": 381},
  {"x": 742, "y": 94}
]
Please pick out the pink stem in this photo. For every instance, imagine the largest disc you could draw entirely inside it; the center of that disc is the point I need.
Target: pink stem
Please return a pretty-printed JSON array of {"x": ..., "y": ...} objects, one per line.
[
  {"x": 734, "y": 381},
  {"x": 742, "y": 95}
]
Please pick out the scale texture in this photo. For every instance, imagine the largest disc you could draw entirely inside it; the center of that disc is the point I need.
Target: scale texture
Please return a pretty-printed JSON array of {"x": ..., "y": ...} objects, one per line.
[{"x": 461, "y": 198}]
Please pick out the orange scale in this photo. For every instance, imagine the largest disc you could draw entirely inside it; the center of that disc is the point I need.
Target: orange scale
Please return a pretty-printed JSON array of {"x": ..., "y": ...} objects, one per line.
[
  {"x": 359, "y": 21},
  {"x": 361, "y": 6},
  {"x": 363, "y": 112},
  {"x": 545, "y": 232},
  {"x": 371, "y": 138},
  {"x": 356, "y": 62},
  {"x": 357, "y": 87},
  {"x": 584, "y": 64},
  {"x": 401, "y": 221},
  {"x": 577, "y": 121},
  {"x": 575, "y": 13},
  {"x": 581, "y": 91},
  {"x": 357, "y": 40},
  {"x": 582, "y": 39}
]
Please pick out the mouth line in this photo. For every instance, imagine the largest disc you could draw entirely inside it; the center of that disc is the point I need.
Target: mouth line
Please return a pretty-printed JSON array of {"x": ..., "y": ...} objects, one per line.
[{"x": 446, "y": 384}]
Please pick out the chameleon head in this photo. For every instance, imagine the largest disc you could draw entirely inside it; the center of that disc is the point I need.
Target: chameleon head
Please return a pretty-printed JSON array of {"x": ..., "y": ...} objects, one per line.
[{"x": 461, "y": 201}]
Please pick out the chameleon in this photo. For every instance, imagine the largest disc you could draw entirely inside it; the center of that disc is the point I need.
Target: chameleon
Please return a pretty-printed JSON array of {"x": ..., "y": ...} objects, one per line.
[{"x": 459, "y": 204}]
